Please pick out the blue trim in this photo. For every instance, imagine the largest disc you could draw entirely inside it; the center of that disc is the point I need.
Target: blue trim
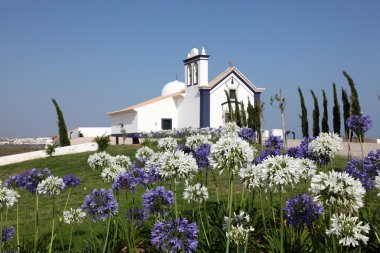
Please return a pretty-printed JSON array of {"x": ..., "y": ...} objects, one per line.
[{"x": 204, "y": 108}]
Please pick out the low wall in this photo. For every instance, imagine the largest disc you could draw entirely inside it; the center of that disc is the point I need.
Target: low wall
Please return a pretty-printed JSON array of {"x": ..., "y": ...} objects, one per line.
[{"x": 4, "y": 160}]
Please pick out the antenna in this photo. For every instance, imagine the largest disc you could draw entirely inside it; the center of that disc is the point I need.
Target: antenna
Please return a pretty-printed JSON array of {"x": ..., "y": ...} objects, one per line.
[{"x": 231, "y": 63}]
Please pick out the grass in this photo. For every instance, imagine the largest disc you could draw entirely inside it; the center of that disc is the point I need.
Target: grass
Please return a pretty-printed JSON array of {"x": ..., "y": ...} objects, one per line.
[
  {"x": 77, "y": 164},
  {"x": 18, "y": 149}
]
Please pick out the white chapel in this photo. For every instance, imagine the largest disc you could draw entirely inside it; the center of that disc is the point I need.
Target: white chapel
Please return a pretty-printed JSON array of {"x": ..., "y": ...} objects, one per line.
[{"x": 196, "y": 103}]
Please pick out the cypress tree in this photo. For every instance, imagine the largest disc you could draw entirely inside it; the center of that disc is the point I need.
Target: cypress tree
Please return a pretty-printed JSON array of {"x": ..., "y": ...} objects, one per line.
[
  {"x": 243, "y": 114},
  {"x": 259, "y": 112},
  {"x": 325, "y": 117},
  {"x": 251, "y": 116},
  {"x": 237, "y": 112},
  {"x": 354, "y": 95},
  {"x": 230, "y": 114},
  {"x": 63, "y": 137},
  {"x": 336, "y": 112},
  {"x": 303, "y": 116},
  {"x": 315, "y": 115},
  {"x": 346, "y": 110}
]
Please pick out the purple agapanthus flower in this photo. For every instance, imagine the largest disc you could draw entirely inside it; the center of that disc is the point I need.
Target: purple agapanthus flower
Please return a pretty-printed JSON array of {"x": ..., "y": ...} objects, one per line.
[
  {"x": 137, "y": 215},
  {"x": 153, "y": 175},
  {"x": 71, "y": 181},
  {"x": 158, "y": 201},
  {"x": 7, "y": 233},
  {"x": 175, "y": 235},
  {"x": 302, "y": 151},
  {"x": 266, "y": 153},
  {"x": 247, "y": 134},
  {"x": 201, "y": 155},
  {"x": 302, "y": 210},
  {"x": 28, "y": 180},
  {"x": 140, "y": 175},
  {"x": 125, "y": 181},
  {"x": 100, "y": 205},
  {"x": 184, "y": 148},
  {"x": 355, "y": 168},
  {"x": 359, "y": 124},
  {"x": 274, "y": 142},
  {"x": 372, "y": 163}
]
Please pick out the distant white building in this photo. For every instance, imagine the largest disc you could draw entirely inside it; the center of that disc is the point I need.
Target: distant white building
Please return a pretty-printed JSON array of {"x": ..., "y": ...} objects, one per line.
[
  {"x": 88, "y": 132},
  {"x": 196, "y": 103}
]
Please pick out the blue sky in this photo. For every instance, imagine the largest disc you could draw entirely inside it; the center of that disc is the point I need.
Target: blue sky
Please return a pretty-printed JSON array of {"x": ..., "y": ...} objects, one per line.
[{"x": 94, "y": 57}]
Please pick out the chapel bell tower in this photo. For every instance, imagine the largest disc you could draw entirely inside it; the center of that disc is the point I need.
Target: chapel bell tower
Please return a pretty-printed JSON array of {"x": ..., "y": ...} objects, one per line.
[{"x": 196, "y": 68}]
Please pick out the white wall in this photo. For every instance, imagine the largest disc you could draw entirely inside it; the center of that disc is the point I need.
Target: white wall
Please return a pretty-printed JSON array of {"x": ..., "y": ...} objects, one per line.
[
  {"x": 218, "y": 96},
  {"x": 149, "y": 116},
  {"x": 189, "y": 110},
  {"x": 89, "y": 132},
  {"x": 128, "y": 119}
]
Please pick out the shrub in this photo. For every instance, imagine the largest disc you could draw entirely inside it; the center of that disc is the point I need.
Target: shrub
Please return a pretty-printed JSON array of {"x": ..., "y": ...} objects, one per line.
[
  {"x": 50, "y": 149},
  {"x": 103, "y": 142}
]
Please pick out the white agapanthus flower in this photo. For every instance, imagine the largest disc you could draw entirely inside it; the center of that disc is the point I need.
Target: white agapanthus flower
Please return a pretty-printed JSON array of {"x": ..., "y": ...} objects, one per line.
[
  {"x": 51, "y": 186},
  {"x": 338, "y": 189},
  {"x": 308, "y": 168},
  {"x": 377, "y": 184},
  {"x": 167, "y": 143},
  {"x": 8, "y": 197},
  {"x": 74, "y": 216},
  {"x": 194, "y": 141},
  {"x": 144, "y": 153},
  {"x": 230, "y": 129},
  {"x": 176, "y": 165},
  {"x": 349, "y": 230},
  {"x": 110, "y": 174},
  {"x": 251, "y": 176},
  {"x": 195, "y": 193},
  {"x": 99, "y": 160},
  {"x": 121, "y": 161},
  {"x": 326, "y": 145},
  {"x": 240, "y": 227},
  {"x": 232, "y": 153}
]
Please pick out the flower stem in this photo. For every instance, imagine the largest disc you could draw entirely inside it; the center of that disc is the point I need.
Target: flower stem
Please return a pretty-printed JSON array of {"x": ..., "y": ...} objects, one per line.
[
  {"x": 262, "y": 210},
  {"x": 71, "y": 236},
  {"x": 17, "y": 229},
  {"x": 203, "y": 227},
  {"x": 67, "y": 200},
  {"x": 52, "y": 229},
  {"x": 361, "y": 145},
  {"x": 230, "y": 199},
  {"x": 36, "y": 223},
  {"x": 281, "y": 225},
  {"x": 175, "y": 200},
  {"x": 108, "y": 231}
]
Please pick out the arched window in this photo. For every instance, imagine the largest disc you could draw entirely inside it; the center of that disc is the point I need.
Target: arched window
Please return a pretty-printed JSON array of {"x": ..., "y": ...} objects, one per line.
[
  {"x": 195, "y": 73},
  {"x": 189, "y": 75}
]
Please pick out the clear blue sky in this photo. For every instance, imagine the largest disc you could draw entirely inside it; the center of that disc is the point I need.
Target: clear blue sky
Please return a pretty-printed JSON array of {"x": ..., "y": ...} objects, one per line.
[{"x": 99, "y": 56}]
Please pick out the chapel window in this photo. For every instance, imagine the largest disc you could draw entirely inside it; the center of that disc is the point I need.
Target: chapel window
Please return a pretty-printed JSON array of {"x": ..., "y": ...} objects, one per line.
[{"x": 195, "y": 73}]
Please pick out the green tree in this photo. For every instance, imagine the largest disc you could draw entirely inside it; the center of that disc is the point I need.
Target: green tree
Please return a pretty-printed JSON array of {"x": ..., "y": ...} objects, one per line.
[
  {"x": 346, "y": 110},
  {"x": 303, "y": 116},
  {"x": 325, "y": 117},
  {"x": 281, "y": 102},
  {"x": 251, "y": 116},
  {"x": 237, "y": 112},
  {"x": 230, "y": 115},
  {"x": 315, "y": 115},
  {"x": 336, "y": 112},
  {"x": 354, "y": 95},
  {"x": 243, "y": 114},
  {"x": 259, "y": 113},
  {"x": 63, "y": 137}
]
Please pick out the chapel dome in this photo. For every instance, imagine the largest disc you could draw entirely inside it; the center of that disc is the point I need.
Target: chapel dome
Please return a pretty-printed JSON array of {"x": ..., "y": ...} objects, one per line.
[{"x": 172, "y": 87}]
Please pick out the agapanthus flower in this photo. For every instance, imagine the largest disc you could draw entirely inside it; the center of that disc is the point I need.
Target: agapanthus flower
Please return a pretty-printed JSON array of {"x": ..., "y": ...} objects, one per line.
[
  {"x": 355, "y": 169},
  {"x": 265, "y": 154},
  {"x": 71, "y": 180},
  {"x": 29, "y": 180},
  {"x": 121, "y": 161},
  {"x": 247, "y": 134},
  {"x": 137, "y": 215},
  {"x": 274, "y": 142},
  {"x": 194, "y": 141},
  {"x": 195, "y": 193},
  {"x": 339, "y": 190},
  {"x": 302, "y": 151},
  {"x": 99, "y": 160},
  {"x": 51, "y": 186},
  {"x": 349, "y": 230},
  {"x": 8, "y": 197},
  {"x": 74, "y": 216},
  {"x": 240, "y": 228},
  {"x": 167, "y": 144},
  {"x": 302, "y": 210},
  {"x": 110, "y": 174},
  {"x": 230, "y": 129},
  {"x": 176, "y": 165},
  {"x": 232, "y": 153},
  {"x": 158, "y": 201},
  {"x": 100, "y": 205},
  {"x": 376, "y": 184},
  {"x": 307, "y": 168},
  {"x": 7, "y": 233},
  {"x": 175, "y": 235},
  {"x": 144, "y": 154},
  {"x": 326, "y": 145},
  {"x": 125, "y": 181},
  {"x": 153, "y": 175},
  {"x": 372, "y": 164},
  {"x": 201, "y": 155},
  {"x": 252, "y": 176},
  {"x": 359, "y": 124}
]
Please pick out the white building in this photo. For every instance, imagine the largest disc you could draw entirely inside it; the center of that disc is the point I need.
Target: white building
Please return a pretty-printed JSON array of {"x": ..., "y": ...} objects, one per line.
[
  {"x": 196, "y": 103},
  {"x": 88, "y": 132}
]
